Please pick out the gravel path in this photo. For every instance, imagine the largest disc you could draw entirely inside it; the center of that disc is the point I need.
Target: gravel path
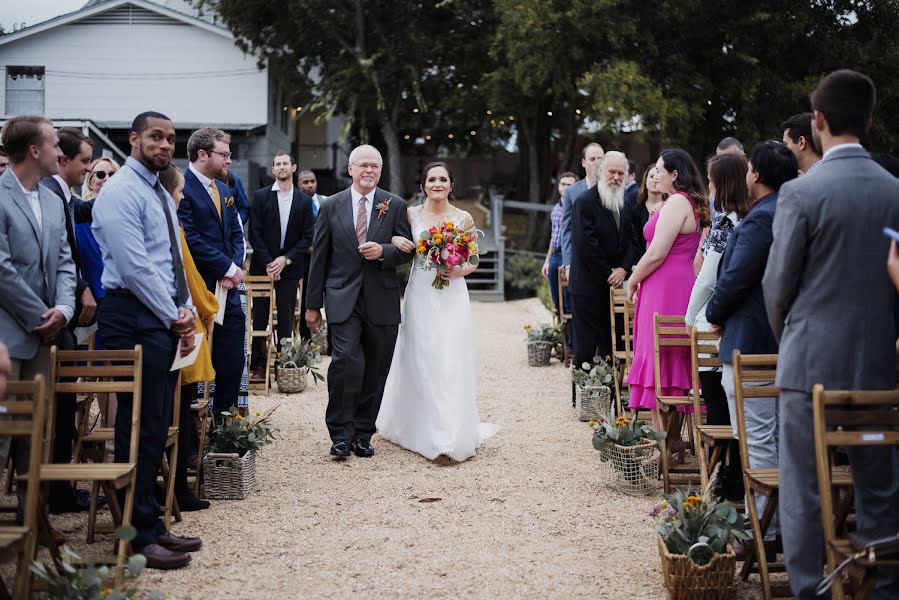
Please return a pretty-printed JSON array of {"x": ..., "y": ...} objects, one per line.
[{"x": 525, "y": 518}]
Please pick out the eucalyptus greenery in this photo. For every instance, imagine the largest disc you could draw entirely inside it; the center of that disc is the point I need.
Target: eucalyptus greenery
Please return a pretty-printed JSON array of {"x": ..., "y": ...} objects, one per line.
[
  {"x": 592, "y": 375},
  {"x": 544, "y": 333},
  {"x": 237, "y": 434},
  {"x": 698, "y": 526},
  {"x": 624, "y": 432},
  {"x": 87, "y": 584},
  {"x": 297, "y": 353}
]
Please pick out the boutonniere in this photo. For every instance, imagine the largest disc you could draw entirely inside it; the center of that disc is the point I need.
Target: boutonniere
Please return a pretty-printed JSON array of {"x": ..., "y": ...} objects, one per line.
[
  {"x": 229, "y": 201},
  {"x": 382, "y": 207}
]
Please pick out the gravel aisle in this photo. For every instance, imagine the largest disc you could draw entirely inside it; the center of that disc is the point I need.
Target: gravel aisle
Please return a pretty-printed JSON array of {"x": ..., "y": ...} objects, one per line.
[{"x": 525, "y": 518}]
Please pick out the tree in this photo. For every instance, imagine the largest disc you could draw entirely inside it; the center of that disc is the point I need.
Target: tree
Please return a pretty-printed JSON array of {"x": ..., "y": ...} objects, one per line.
[{"x": 366, "y": 59}]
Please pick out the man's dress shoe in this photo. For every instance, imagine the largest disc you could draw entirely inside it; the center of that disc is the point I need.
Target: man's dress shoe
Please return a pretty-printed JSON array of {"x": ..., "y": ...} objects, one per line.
[
  {"x": 162, "y": 558},
  {"x": 340, "y": 449},
  {"x": 176, "y": 543},
  {"x": 363, "y": 448}
]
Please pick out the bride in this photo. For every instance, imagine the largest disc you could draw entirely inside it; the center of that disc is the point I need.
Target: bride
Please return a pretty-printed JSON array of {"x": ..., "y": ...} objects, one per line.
[{"x": 429, "y": 399}]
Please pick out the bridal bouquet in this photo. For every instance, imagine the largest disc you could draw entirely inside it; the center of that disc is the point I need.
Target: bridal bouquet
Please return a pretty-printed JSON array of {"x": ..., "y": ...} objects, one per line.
[{"x": 447, "y": 246}]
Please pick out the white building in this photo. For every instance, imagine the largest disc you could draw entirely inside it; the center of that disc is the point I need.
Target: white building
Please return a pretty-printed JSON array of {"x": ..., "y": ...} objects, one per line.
[{"x": 101, "y": 65}]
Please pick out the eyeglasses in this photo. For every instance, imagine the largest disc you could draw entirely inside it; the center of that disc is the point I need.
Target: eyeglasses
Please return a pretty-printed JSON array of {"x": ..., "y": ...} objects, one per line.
[
  {"x": 367, "y": 166},
  {"x": 225, "y": 155},
  {"x": 103, "y": 174}
]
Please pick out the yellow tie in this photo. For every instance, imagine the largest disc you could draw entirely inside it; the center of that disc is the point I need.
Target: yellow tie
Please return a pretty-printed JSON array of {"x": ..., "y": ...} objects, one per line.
[{"x": 215, "y": 198}]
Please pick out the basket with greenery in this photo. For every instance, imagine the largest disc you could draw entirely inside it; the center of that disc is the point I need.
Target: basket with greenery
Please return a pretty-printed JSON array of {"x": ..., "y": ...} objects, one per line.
[
  {"x": 695, "y": 536},
  {"x": 628, "y": 461},
  {"x": 229, "y": 468},
  {"x": 593, "y": 388},
  {"x": 297, "y": 358},
  {"x": 541, "y": 342}
]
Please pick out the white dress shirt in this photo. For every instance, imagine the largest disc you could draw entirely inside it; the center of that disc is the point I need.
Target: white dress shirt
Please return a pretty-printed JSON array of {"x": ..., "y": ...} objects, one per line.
[
  {"x": 34, "y": 199},
  {"x": 207, "y": 185},
  {"x": 369, "y": 201},
  {"x": 285, "y": 202}
]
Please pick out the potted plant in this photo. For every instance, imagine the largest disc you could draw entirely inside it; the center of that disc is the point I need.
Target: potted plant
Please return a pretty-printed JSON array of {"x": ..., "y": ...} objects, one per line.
[
  {"x": 229, "y": 468},
  {"x": 593, "y": 394},
  {"x": 627, "y": 456},
  {"x": 297, "y": 358},
  {"x": 541, "y": 341},
  {"x": 695, "y": 535}
]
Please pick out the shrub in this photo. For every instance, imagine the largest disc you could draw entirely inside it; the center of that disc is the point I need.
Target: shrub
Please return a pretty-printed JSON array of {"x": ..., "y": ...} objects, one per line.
[{"x": 522, "y": 275}]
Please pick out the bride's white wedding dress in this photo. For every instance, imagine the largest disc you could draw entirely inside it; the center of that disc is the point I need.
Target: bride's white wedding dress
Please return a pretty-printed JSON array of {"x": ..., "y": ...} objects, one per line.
[{"x": 429, "y": 403}]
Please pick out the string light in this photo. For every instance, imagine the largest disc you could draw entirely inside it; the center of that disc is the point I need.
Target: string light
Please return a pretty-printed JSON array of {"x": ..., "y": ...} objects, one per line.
[
  {"x": 511, "y": 118},
  {"x": 549, "y": 113},
  {"x": 284, "y": 108},
  {"x": 427, "y": 137},
  {"x": 415, "y": 110},
  {"x": 473, "y": 132},
  {"x": 407, "y": 136},
  {"x": 578, "y": 111},
  {"x": 489, "y": 112},
  {"x": 501, "y": 122},
  {"x": 299, "y": 109},
  {"x": 450, "y": 136}
]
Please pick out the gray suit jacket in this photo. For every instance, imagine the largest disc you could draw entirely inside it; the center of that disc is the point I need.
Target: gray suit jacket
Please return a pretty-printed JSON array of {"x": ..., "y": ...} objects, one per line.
[
  {"x": 36, "y": 267},
  {"x": 827, "y": 293},
  {"x": 338, "y": 272},
  {"x": 571, "y": 194}
]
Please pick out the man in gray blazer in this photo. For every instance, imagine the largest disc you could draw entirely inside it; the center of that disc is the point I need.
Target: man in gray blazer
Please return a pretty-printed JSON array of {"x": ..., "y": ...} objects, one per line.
[
  {"x": 37, "y": 274},
  {"x": 830, "y": 304},
  {"x": 353, "y": 275}
]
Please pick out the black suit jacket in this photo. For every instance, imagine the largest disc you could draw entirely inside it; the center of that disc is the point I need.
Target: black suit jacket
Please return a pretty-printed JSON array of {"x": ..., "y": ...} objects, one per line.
[
  {"x": 339, "y": 272},
  {"x": 598, "y": 245},
  {"x": 80, "y": 284},
  {"x": 738, "y": 303},
  {"x": 264, "y": 232}
]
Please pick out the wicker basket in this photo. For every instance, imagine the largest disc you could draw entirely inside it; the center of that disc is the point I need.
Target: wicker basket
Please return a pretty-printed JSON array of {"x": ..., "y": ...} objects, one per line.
[
  {"x": 539, "y": 353},
  {"x": 685, "y": 580},
  {"x": 291, "y": 380},
  {"x": 630, "y": 469},
  {"x": 592, "y": 402},
  {"x": 229, "y": 476}
]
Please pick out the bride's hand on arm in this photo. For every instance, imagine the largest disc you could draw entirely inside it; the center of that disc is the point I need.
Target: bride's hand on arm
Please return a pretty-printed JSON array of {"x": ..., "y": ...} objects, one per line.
[{"x": 402, "y": 243}]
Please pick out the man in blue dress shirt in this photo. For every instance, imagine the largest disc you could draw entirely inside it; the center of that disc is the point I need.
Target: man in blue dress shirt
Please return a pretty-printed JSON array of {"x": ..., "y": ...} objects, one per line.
[{"x": 147, "y": 303}]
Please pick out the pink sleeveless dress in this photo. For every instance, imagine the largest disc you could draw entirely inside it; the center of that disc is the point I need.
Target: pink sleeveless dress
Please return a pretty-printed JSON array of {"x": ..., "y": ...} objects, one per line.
[{"x": 667, "y": 292}]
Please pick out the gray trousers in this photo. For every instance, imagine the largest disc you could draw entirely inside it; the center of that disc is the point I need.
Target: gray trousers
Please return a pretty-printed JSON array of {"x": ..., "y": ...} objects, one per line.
[
  {"x": 875, "y": 475},
  {"x": 761, "y": 433}
]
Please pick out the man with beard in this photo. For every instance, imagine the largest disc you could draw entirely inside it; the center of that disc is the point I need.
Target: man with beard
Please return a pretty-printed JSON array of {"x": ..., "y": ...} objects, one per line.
[
  {"x": 281, "y": 229},
  {"x": 603, "y": 253},
  {"x": 147, "y": 303},
  {"x": 215, "y": 239}
]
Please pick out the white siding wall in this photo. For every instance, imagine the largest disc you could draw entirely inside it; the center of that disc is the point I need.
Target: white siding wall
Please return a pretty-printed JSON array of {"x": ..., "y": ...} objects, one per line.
[{"x": 135, "y": 67}]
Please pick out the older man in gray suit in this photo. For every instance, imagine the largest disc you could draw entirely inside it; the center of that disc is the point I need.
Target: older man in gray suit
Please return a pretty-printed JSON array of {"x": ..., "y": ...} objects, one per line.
[
  {"x": 830, "y": 303},
  {"x": 37, "y": 274}
]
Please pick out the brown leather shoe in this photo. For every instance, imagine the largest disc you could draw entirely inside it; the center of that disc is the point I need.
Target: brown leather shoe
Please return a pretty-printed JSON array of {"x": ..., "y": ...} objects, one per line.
[
  {"x": 176, "y": 543},
  {"x": 58, "y": 537},
  {"x": 161, "y": 558}
]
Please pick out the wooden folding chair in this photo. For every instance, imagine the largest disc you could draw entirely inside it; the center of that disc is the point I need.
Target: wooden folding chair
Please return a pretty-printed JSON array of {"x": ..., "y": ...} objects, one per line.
[
  {"x": 850, "y": 418},
  {"x": 297, "y": 310},
  {"x": 26, "y": 402},
  {"x": 123, "y": 367},
  {"x": 564, "y": 317},
  {"x": 713, "y": 440},
  {"x": 670, "y": 331},
  {"x": 199, "y": 417},
  {"x": 261, "y": 287},
  {"x": 621, "y": 359}
]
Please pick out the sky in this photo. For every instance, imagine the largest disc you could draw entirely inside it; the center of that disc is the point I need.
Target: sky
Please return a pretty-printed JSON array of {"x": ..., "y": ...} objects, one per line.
[{"x": 13, "y": 12}]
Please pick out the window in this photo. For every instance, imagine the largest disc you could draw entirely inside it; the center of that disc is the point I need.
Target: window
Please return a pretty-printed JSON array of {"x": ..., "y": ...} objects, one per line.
[{"x": 24, "y": 90}]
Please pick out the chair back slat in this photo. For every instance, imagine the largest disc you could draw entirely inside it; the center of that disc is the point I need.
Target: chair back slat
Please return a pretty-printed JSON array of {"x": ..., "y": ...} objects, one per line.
[
  {"x": 764, "y": 364},
  {"x": 93, "y": 370},
  {"x": 856, "y": 417}
]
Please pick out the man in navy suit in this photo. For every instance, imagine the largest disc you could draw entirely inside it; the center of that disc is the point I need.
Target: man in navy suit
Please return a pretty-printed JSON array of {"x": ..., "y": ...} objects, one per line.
[
  {"x": 738, "y": 304},
  {"x": 215, "y": 239},
  {"x": 280, "y": 232}
]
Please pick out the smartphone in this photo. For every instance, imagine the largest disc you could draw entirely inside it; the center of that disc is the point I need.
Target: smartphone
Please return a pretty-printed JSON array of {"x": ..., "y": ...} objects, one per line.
[{"x": 891, "y": 233}]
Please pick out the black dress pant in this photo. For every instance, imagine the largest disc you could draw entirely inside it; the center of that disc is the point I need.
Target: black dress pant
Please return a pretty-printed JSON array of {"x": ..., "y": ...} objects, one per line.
[
  {"x": 185, "y": 437},
  {"x": 715, "y": 398},
  {"x": 228, "y": 357},
  {"x": 361, "y": 353},
  {"x": 125, "y": 322},
  {"x": 592, "y": 330},
  {"x": 286, "y": 304}
]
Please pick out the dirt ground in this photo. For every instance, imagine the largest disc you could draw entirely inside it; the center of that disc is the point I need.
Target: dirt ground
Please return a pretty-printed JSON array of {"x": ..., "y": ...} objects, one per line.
[{"x": 525, "y": 518}]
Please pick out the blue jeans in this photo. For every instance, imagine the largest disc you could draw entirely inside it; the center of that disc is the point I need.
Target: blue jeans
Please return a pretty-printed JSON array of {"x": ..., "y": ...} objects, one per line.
[{"x": 555, "y": 261}]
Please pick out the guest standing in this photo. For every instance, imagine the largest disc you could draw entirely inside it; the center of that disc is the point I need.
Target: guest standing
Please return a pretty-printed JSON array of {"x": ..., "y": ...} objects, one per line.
[
  {"x": 797, "y": 135},
  {"x": 281, "y": 229},
  {"x": 664, "y": 277},
  {"x": 553, "y": 260},
  {"x": 308, "y": 183},
  {"x": 215, "y": 238},
  {"x": 830, "y": 304},
  {"x": 649, "y": 200},
  {"x": 147, "y": 303}
]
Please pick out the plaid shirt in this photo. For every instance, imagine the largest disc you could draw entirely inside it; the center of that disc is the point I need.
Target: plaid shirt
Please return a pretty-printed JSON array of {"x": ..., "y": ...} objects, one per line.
[{"x": 555, "y": 217}]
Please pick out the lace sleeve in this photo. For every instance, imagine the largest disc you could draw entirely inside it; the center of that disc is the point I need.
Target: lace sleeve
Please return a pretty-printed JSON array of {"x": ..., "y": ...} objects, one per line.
[{"x": 465, "y": 220}]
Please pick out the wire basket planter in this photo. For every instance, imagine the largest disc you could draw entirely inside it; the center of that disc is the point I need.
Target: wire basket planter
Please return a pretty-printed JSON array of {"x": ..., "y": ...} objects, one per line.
[
  {"x": 686, "y": 580},
  {"x": 229, "y": 476},
  {"x": 539, "y": 353},
  {"x": 631, "y": 470},
  {"x": 593, "y": 401}
]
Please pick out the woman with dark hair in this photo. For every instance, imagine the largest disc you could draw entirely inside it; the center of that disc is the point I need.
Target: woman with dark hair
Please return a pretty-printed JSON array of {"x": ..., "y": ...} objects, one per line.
[
  {"x": 727, "y": 182},
  {"x": 434, "y": 345},
  {"x": 664, "y": 277},
  {"x": 649, "y": 200}
]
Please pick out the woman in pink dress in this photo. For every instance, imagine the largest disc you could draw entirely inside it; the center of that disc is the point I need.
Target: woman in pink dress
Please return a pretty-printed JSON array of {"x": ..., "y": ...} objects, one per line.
[{"x": 664, "y": 278}]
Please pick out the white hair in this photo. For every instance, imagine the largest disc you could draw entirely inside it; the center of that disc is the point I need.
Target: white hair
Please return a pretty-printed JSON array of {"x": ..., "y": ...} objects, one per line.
[
  {"x": 616, "y": 155},
  {"x": 364, "y": 148}
]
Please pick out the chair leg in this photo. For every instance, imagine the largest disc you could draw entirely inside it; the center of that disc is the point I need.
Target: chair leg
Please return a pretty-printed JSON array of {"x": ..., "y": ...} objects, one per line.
[
  {"x": 663, "y": 454},
  {"x": 203, "y": 427},
  {"x": 126, "y": 520},
  {"x": 10, "y": 474},
  {"x": 92, "y": 513},
  {"x": 24, "y": 577}
]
